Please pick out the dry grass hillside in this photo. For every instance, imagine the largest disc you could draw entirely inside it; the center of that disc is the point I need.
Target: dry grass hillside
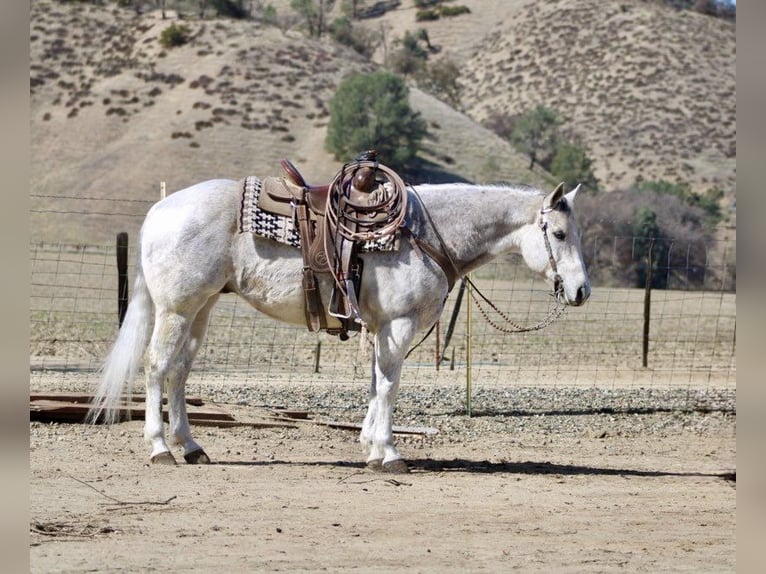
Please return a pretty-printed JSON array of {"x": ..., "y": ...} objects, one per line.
[
  {"x": 113, "y": 114},
  {"x": 650, "y": 91}
]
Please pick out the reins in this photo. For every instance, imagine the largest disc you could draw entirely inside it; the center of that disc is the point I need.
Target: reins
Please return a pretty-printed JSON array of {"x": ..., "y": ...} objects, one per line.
[{"x": 558, "y": 290}]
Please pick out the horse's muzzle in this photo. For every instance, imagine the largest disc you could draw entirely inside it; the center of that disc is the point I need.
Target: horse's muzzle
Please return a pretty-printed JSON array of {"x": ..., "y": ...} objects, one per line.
[{"x": 582, "y": 295}]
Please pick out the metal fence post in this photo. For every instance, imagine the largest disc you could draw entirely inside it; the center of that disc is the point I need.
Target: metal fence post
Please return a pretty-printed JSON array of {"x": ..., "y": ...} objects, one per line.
[{"x": 468, "y": 350}]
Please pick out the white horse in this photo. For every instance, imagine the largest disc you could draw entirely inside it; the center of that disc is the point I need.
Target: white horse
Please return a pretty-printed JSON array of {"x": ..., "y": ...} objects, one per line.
[{"x": 191, "y": 250}]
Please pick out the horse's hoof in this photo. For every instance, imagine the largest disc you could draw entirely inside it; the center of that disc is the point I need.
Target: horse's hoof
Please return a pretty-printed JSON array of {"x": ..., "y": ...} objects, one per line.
[
  {"x": 163, "y": 458},
  {"x": 375, "y": 465},
  {"x": 197, "y": 457},
  {"x": 397, "y": 466}
]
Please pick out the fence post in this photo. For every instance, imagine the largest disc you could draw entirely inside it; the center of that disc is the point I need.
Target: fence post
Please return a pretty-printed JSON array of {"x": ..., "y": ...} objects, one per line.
[
  {"x": 317, "y": 353},
  {"x": 122, "y": 275},
  {"x": 647, "y": 304},
  {"x": 468, "y": 351}
]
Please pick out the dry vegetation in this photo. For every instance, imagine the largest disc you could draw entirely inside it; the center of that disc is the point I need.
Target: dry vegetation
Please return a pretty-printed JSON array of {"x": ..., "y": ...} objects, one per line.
[
  {"x": 650, "y": 91},
  {"x": 647, "y": 89},
  {"x": 114, "y": 114}
]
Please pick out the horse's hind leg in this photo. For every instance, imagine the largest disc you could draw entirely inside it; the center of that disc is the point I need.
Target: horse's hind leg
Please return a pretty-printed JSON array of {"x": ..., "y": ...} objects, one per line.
[
  {"x": 180, "y": 431},
  {"x": 165, "y": 357}
]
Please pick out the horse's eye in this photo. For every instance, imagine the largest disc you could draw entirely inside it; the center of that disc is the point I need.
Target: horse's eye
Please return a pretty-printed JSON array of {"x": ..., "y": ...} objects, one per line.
[{"x": 560, "y": 235}]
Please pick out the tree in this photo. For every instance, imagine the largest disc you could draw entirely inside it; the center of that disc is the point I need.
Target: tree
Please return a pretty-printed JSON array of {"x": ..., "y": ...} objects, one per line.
[
  {"x": 536, "y": 134},
  {"x": 359, "y": 38},
  {"x": 709, "y": 202},
  {"x": 441, "y": 80},
  {"x": 620, "y": 224},
  {"x": 313, "y": 13},
  {"x": 231, "y": 8},
  {"x": 646, "y": 232},
  {"x": 372, "y": 111},
  {"x": 572, "y": 165}
]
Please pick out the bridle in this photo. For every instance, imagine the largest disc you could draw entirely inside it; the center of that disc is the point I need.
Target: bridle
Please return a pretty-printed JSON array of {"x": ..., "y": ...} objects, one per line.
[{"x": 558, "y": 282}]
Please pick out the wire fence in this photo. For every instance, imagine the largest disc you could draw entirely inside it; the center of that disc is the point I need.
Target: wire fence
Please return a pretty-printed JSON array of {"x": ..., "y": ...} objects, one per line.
[{"x": 682, "y": 335}]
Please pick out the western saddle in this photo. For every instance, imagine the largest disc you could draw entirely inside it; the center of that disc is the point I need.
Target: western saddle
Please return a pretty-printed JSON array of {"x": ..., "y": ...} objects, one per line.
[{"x": 365, "y": 202}]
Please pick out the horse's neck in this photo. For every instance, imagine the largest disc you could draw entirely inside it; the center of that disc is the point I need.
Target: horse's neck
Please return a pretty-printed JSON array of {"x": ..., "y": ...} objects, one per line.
[{"x": 478, "y": 223}]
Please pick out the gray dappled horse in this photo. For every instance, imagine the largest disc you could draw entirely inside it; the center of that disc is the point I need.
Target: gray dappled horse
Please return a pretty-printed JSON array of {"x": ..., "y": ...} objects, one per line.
[{"x": 191, "y": 250}]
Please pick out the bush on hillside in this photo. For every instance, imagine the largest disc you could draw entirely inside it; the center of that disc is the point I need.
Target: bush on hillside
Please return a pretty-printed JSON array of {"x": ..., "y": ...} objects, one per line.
[
  {"x": 409, "y": 58},
  {"x": 440, "y": 79},
  {"x": 175, "y": 35},
  {"x": 427, "y": 15},
  {"x": 454, "y": 10},
  {"x": 357, "y": 38}
]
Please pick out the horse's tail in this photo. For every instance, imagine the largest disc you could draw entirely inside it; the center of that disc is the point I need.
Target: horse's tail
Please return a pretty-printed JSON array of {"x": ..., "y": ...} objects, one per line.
[{"x": 124, "y": 359}]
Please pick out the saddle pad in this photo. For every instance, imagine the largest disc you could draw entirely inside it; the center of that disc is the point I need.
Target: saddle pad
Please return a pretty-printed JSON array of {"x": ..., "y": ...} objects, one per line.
[
  {"x": 285, "y": 230},
  {"x": 254, "y": 220}
]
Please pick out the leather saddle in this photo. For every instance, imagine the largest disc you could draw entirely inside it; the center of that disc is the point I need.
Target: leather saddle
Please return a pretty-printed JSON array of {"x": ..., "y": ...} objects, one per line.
[
  {"x": 333, "y": 221},
  {"x": 291, "y": 197}
]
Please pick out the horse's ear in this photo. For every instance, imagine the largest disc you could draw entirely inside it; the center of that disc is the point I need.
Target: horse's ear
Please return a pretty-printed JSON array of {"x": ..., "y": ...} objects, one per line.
[
  {"x": 571, "y": 195},
  {"x": 552, "y": 199}
]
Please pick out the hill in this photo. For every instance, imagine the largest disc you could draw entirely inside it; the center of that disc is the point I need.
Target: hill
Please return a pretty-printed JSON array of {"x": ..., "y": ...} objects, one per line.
[
  {"x": 113, "y": 114},
  {"x": 649, "y": 90}
]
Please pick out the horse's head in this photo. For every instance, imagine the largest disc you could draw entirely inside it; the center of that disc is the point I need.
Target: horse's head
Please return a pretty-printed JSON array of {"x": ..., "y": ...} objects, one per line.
[{"x": 551, "y": 246}]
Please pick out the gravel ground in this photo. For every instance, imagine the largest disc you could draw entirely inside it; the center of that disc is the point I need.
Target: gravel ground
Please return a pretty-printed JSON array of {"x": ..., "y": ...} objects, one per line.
[{"x": 575, "y": 411}]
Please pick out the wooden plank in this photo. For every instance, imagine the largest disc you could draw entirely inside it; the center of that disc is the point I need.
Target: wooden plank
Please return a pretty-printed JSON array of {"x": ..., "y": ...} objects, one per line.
[
  {"x": 396, "y": 429},
  {"x": 252, "y": 424},
  {"x": 49, "y": 410},
  {"x": 293, "y": 414},
  {"x": 88, "y": 397}
]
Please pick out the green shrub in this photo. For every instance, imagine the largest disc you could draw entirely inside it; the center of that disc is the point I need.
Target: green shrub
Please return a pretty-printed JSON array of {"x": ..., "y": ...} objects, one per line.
[
  {"x": 175, "y": 35},
  {"x": 453, "y": 10},
  {"x": 426, "y": 15}
]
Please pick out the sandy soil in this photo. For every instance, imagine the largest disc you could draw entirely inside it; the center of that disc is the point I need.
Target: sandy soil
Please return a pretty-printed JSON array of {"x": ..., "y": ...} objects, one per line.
[{"x": 301, "y": 499}]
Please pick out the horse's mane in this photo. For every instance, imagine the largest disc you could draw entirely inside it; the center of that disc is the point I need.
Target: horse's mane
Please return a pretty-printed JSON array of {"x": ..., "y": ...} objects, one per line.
[{"x": 501, "y": 186}]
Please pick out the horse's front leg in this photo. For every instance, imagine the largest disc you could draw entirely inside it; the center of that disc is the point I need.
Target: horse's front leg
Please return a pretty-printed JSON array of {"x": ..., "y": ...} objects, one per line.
[{"x": 391, "y": 344}]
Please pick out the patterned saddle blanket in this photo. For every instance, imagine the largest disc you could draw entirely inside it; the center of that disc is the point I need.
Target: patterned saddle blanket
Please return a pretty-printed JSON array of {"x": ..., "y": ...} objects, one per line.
[{"x": 253, "y": 219}]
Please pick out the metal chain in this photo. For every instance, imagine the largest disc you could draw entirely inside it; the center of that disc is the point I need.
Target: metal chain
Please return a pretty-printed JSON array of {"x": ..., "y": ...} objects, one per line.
[{"x": 553, "y": 314}]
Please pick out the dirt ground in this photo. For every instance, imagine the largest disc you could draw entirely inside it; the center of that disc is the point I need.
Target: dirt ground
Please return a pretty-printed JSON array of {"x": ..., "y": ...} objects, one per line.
[{"x": 301, "y": 500}]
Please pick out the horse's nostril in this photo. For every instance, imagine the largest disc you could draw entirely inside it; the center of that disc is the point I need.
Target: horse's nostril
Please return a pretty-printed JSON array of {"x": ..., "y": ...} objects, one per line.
[{"x": 580, "y": 295}]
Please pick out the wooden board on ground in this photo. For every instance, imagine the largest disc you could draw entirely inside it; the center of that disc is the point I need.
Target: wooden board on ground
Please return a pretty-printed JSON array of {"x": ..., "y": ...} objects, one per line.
[
  {"x": 47, "y": 410},
  {"x": 73, "y": 408},
  {"x": 88, "y": 397}
]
